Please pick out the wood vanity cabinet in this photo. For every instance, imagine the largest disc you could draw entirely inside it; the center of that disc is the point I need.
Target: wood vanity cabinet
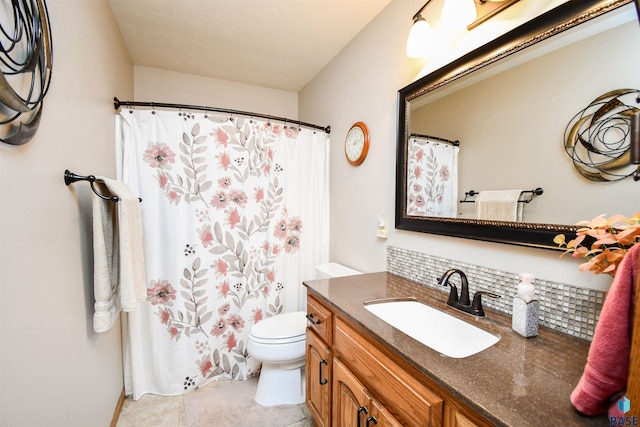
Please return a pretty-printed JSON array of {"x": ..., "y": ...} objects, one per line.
[
  {"x": 353, "y": 380},
  {"x": 319, "y": 362}
]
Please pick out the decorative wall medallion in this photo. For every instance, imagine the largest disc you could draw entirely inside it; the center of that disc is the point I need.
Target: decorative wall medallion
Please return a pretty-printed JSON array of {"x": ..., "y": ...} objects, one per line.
[
  {"x": 598, "y": 138},
  {"x": 26, "y": 59}
]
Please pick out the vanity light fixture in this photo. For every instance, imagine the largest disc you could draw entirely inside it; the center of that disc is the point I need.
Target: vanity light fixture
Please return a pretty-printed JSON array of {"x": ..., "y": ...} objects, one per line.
[
  {"x": 488, "y": 8},
  {"x": 458, "y": 14},
  {"x": 455, "y": 14},
  {"x": 420, "y": 35}
]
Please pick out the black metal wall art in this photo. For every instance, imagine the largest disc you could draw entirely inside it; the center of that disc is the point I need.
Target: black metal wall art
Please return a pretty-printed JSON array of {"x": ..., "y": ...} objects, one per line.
[
  {"x": 598, "y": 138},
  {"x": 26, "y": 59}
]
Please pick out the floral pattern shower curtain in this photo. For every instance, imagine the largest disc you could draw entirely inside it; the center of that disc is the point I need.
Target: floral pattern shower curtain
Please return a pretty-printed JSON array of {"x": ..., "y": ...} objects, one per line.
[
  {"x": 432, "y": 178},
  {"x": 235, "y": 218}
]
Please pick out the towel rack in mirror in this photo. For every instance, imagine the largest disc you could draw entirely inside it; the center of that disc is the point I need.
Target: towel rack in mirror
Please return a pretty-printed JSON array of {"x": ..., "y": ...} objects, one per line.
[{"x": 533, "y": 193}]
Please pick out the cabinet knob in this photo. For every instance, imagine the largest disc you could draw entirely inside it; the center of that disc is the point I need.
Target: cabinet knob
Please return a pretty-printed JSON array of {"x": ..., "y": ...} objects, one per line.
[
  {"x": 310, "y": 318},
  {"x": 325, "y": 380},
  {"x": 360, "y": 410}
]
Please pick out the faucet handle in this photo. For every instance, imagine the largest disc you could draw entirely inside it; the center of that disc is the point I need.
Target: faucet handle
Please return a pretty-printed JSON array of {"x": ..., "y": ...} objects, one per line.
[{"x": 476, "y": 305}]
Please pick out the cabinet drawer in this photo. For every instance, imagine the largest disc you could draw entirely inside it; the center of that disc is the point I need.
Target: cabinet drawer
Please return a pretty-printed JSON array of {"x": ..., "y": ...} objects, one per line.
[
  {"x": 455, "y": 416},
  {"x": 319, "y": 319},
  {"x": 404, "y": 396}
]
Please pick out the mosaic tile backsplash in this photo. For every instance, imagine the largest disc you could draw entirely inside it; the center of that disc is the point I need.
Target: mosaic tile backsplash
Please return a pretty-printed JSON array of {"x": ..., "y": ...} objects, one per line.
[{"x": 568, "y": 309}]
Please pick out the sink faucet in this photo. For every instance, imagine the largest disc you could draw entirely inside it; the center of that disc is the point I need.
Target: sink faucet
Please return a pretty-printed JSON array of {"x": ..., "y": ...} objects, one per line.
[
  {"x": 462, "y": 301},
  {"x": 454, "y": 300}
]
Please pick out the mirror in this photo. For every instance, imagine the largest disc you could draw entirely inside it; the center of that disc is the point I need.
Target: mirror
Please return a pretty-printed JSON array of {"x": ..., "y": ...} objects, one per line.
[{"x": 510, "y": 104}]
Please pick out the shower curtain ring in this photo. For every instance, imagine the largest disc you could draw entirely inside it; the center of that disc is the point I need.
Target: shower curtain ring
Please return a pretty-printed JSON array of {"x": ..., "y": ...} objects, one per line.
[{"x": 153, "y": 110}]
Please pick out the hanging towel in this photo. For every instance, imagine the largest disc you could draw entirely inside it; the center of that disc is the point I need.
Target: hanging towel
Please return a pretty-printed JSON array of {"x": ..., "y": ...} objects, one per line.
[
  {"x": 119, "y": 276},
  {"x": 105, "y": 261},
  {"x": 607, "y": 369},
  {"x": 499, "y": 205}
]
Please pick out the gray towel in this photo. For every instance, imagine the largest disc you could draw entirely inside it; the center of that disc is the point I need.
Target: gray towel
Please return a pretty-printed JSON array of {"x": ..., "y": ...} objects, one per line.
[{"x": 119, "y": 275}]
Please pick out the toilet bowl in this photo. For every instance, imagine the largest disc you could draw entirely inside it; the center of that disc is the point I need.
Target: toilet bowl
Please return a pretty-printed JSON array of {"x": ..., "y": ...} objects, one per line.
[{"x": 279, "y": 343}]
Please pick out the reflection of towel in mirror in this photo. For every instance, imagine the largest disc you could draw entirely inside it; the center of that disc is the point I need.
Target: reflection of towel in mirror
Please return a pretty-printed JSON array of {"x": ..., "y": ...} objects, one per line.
[
  {"x": 119, "y": 276},
  {"x": 499, "y": 205}
]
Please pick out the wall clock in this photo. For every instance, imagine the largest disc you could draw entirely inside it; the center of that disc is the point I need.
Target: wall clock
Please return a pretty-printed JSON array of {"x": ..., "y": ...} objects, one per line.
[{"x": 356, "y": 144}]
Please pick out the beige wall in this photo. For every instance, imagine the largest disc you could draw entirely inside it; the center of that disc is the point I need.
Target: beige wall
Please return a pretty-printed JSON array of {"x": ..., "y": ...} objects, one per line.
[
  {"x": 361, "y": 83},
  {"x": 54, "y": 370},
  {"x": 153, "y": 84}
]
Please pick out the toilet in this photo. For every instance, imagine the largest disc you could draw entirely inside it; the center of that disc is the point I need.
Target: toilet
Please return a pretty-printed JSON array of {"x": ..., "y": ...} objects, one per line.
[
  {"x": 332, "y": 269},
  {"x": 279, "y": 343}
]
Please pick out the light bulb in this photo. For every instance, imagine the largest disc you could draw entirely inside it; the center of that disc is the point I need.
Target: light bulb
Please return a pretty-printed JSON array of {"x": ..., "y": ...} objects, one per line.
[
  {"x": 419, "y": 40},
  {"x": 458, "y": 13}
]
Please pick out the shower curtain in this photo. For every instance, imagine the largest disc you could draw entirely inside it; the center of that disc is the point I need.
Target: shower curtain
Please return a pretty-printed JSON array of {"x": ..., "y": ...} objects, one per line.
[
  {"x": 432, "y": 178},
  {"x": 235, "y": 217}
]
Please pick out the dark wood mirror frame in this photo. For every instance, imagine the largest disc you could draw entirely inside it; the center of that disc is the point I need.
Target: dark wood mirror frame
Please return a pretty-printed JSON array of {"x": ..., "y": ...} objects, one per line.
[{"x": 555, "y": 21}]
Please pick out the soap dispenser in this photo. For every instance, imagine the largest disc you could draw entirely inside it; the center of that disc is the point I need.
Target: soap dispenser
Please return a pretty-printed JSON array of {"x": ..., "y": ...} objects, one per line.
[{"x": 525, "y": 307}]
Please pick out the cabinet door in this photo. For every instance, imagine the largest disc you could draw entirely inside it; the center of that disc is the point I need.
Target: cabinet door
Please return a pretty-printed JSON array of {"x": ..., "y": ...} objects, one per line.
[
  {"x": 380, "y": 417},
  {"x": 318, "y": 383},
  {"x": 349, "y": 398}
]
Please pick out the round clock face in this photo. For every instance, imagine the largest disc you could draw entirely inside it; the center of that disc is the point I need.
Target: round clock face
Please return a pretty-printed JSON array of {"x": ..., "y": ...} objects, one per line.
[{"x": 356, "y": 144}]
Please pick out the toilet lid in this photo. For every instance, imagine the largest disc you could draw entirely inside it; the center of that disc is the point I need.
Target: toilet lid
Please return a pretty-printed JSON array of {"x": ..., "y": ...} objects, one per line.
[{"x": 281, "y": 327}]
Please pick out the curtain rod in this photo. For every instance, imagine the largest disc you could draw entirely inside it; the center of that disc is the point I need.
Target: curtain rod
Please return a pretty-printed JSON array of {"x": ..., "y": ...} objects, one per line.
[
  {"x": 437, "y": 138},
  {"x": 117, "y": 104}
]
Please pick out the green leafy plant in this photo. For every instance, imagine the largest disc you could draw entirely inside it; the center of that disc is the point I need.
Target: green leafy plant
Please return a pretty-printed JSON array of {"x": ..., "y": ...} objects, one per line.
[{"x": 603, "y": 242}]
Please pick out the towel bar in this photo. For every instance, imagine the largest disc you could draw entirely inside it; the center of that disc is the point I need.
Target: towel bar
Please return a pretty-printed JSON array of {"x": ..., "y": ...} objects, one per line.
[
  {"x": 70, "y": 178},
  {"x": 537, "y": 192}
]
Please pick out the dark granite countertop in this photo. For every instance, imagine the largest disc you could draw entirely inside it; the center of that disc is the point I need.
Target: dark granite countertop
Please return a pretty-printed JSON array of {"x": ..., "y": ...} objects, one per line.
[{"x": 517, "y": 382}]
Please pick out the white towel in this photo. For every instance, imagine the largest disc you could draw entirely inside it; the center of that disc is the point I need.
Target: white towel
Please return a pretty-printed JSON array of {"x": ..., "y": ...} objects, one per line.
[
  {"x": 119, "y": 276},
  {"x": 105, "y": 283},
  {"x": 499, "y": 205}
]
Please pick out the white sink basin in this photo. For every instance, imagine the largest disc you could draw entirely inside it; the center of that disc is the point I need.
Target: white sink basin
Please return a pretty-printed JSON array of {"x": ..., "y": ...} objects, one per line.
[{"x": 434, "y": 328}]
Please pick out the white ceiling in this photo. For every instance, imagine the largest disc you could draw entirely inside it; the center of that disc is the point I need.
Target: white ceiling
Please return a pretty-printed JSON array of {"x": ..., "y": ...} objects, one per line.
[{"x": 279, "y": 44}]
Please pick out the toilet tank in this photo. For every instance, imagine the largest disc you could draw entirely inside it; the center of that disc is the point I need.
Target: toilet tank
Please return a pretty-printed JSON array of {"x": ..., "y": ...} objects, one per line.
[{"x": 332, "y": 269}]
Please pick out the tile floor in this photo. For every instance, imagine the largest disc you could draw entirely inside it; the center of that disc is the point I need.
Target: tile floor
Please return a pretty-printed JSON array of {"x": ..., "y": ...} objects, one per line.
[{"x": 162, "y": 411}]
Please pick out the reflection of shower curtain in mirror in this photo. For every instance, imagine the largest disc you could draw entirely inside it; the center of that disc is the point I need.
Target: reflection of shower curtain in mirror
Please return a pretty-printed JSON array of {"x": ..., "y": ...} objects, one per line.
[{"x": 432, "y": 178}]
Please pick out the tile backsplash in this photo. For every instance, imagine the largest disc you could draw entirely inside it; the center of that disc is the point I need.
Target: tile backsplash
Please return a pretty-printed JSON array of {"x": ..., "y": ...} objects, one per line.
[{"x": 568, "y": 309}]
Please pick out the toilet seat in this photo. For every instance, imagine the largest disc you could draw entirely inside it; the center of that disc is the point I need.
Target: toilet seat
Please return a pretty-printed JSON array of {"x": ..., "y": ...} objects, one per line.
[
  {"x": 277, "y": 341},
  {"x": 281, "y": 329}
]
